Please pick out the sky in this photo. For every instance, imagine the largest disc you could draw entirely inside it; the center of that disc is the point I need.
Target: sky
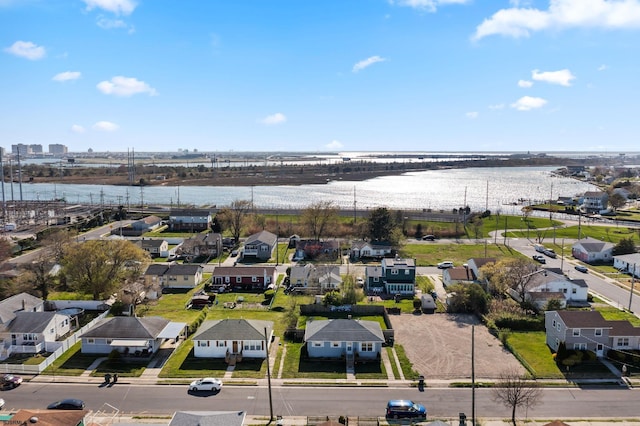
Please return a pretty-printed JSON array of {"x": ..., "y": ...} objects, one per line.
[{"x": 321, "y": 75}]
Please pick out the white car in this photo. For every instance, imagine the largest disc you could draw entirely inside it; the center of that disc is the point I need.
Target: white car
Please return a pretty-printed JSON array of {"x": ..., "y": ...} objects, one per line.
[
  {"x": 446, "y": 264},
  {"x": 1, "y": 403},
  {"x": 206, "y": 384}
]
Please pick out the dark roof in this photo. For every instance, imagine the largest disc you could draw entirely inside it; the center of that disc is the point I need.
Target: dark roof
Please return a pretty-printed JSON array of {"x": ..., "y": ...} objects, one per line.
[
  {"x": 233, "y": 329},
  {"x": 583, "y": 319},
  {"x": 156, "y": 269},
  {"x": 591, "y": 245},
  {"x": 183, "y": 269},
  {"x": 623, "y": 329},
  {"x": 128, "y": 328},
  {"x": 265, "y": 237},
  {"x": 373, "y": 271},
  {"x": 208, "y": 418},
  {"x": 460, "y": 273},
  {"x": 343, "y": 330},
  {"x": 30, "y": 322},
  {"x": 247, "y": 271},
  {"x": 373, "y": 244},
  {"x": 151, "y": 243},
  {"x": 190, "y": 212}
]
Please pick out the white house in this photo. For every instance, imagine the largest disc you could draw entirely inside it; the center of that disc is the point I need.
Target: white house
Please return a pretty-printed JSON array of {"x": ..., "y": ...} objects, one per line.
[
  {"x": 232, "y": 339},
  {"x": 590, "y": 250},
  {"x": 21, "y": 302},
  {"x": 548, "y": 285},
  {"x": 629, "y": 263},
  {"x": 34, "y": 332}
]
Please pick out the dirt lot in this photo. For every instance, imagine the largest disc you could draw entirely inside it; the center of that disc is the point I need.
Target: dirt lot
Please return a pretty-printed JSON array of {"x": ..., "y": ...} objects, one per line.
[{"x": 439, "y": 346}]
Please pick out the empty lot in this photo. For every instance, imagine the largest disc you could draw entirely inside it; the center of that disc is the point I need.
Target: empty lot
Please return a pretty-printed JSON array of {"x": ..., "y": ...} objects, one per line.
[{"x": 439, "y": 346}]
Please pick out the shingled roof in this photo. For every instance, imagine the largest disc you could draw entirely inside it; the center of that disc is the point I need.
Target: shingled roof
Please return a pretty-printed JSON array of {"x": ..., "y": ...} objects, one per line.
[
  {"x": 128, "y": 328},
  {"x": 233, "y": 329},
  {"x": 343, "y": 330}
]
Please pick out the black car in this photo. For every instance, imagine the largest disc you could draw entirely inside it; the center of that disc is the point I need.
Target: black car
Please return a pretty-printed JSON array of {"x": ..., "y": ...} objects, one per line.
[
  {"x": 429, "y": 238},
  {"x": 67, "y": 404}
]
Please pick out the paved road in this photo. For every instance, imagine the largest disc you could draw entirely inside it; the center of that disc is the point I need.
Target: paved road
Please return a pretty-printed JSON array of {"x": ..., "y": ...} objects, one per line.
[{"x": 301, "y": 401}]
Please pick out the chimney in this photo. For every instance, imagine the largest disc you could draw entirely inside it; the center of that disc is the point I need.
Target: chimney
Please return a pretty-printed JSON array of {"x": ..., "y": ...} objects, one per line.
[{"x": 24, "y": 305}]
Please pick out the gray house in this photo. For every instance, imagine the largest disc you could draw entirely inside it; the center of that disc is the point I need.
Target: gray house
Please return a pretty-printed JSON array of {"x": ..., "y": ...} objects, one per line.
[
  {"x": 260, "y": 246},
  {"x": 130, "y": 335},
  {"x": 21, "y": 302},
  {"x": 578, "y": 330},
  {"x": 337, "y": 338}
]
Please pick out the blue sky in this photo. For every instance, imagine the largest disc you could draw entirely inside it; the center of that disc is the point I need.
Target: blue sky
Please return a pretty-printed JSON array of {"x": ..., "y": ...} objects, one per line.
[{"x": 321, "y": 75}]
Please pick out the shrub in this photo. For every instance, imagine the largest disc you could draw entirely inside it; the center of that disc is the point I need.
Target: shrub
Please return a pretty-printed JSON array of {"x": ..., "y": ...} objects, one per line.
[
  {"x": 114, "y": 355},
  {"x": 268, "y": 295}
]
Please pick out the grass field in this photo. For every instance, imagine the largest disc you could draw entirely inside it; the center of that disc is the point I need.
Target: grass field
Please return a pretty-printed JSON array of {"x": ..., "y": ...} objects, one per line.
[{"x": 432, "y": 254}]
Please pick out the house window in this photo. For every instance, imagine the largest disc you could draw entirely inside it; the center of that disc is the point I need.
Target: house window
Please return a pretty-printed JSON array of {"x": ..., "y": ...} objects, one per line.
[
  {"x": 576, "y": 332},
  {"x": 557, "y": 342},
  {"x": 227, "y": 279},
  {"x": 221, "y": 343},
  {"x": 623, "y": 341},
  {"x": 238, "y": 279},
  {"x": 185, "y": 277},
  {"x": 554, "y": 324},
  {"x": 317, "y": 344},
  {"x": 574, "y": 291},
  {"x": 375, "y": 279},
  {"x": 109, "y": 341},
  {"x": 564, "y": 291},
  {"x": 91, "y": 341},
  {"x": 254, "y": 279},
  {"x": 598, "y": 332},
  {"x": 558, "y": 327},
  {"x": 203, "y": 343},
  {"x": 366, "y": 347},
  {"x": 579, "y": 346},
  {"x": 394, "y": 272},
  {"x": 335, "y": 344},
  {"x": 406, "y": 272}
]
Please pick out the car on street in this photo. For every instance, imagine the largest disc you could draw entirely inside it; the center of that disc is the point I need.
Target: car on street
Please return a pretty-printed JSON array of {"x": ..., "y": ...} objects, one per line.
[
  {"x": 582, "y": 268},
  {"x": 446, "y": 264},
  {"x": 1, "y": 403},
  {"x": 206, "y": 384},
  {"x": 10, "y": 381},
  {"x": 429, "y": 238},
  {"x": 405, "y": 409},
  {"x": 67, "y": 404},
  {"x": 539, "y": 258}
]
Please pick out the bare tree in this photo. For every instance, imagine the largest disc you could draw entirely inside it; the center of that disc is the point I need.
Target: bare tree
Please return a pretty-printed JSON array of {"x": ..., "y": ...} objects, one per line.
[
  {"x": 513, "y": 390},
  {"x": 318, "y": 217},
  {"x": 235, "y": 215},
  {"x": 516, "y": 274}
]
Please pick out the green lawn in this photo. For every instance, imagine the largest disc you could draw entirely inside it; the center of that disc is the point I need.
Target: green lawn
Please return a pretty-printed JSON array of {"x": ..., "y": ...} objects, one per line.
[
  {"x": 250, "y": 368},
  {"x": 405, "y": 364},
  {"x": 182, "y": 364},
  {"x": 170, "y": 306},
  {"x": 123, "y": 368},
  {"x": 394, "y": 366},
  {"x": 297, "y": 368},
  {"x": 532, "y": 348},
  {"x": 371, "y": 370},
  {"x": 613, "y": 314},
  {"x": 71, "y": 363},
  {"x": 432, "y": 254}
]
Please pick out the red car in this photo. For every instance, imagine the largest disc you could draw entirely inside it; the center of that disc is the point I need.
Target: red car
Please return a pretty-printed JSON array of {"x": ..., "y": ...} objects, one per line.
[{"x": 10, "y": 381}]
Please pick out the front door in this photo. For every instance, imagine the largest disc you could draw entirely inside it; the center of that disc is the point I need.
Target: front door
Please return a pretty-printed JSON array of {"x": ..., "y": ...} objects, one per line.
[
  {"x": 599, "y": 349},
  {"x": 234, "y": 347},
  {"x": 349, "y": 348}
]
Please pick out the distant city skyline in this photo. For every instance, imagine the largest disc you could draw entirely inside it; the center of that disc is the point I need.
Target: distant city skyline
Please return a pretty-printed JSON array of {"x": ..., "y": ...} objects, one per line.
[{"x": 331, "y": 75}]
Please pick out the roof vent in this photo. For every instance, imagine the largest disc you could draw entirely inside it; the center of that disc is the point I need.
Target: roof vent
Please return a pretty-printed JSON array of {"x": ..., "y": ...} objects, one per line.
[{"x": 33, "y": 419}]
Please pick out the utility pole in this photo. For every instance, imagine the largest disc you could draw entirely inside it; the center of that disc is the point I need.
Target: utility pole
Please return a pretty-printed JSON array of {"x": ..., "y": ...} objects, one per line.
[
  {"x": 266, "y": 343},
  {"x": 633, "y": 276},
  {"x": 473, "y": 376}
]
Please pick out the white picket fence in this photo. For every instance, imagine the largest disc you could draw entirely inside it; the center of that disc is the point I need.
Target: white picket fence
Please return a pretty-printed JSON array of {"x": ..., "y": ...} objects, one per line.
[{"x": 64, "y": 346}]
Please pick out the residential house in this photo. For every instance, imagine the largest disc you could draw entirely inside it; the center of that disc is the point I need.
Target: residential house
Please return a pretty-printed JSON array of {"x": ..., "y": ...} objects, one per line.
[
  {"x": 370, "y": 249},
  {"x": 154, "y": 246},
  {"x": 588, "y": 330},
  {"x": 21, "y": 302},
  {"x": 337, "y": 338},
  {"x": 191, "y": 220},
  {"x": 475, "y": 263},
  {"x": 547, "y": 285},
  {"x": 134, "y": 336},
  {"x": 146, "y": 224},
  {"x": 594, "y": 202},
  {"x": 313, "y": 249},
  {"x": 49, "y": 417},
  {"x": 155, "y": 275},
  {"x": 458, "y": 275},
  {"x": 590, "y": 250},
  {"x": 233, "y": 339},
  {"x": 178, "y": 275},
  {"x": 320, "y": 277},
  {"x": 201, "y": 245},
  {"x": 260, "y": 246},
  {"x": 208, "y": 418},
  {"x": 629, "y": 263},
  {"x": 399, "y": 275},
  {"x": 33, "y": 332},
  {"x": 244, "y": 278},
  {"x": 373, "y": 280}
]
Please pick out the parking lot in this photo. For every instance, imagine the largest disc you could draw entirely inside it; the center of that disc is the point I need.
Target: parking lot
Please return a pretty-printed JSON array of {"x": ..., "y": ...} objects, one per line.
[{"x": 439, "y": 346}]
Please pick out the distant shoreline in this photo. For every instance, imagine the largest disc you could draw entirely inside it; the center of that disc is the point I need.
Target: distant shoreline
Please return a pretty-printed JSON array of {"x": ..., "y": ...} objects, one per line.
[{"x": 286, "y": 175}]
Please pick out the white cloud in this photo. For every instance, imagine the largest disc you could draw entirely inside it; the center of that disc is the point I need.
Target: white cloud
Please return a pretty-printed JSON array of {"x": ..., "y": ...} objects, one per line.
[
  {"x": 334, "y": 144},
  {"x": 125, "y": 86},
  {"x": 496, "y": 106},
  {"x": 527, "y": 103},
  {"x": 472, "y": 115},
  {"x": 277, "y": 118},
  {"x": 367, "y": 62},
  {"x": 26, "y": 49},
  {"x": 525, "y": 83},
  {"x": 562, "y": 14},
  {"x": 561, "y": 77},
  {"x": 119, "y": 7},
  {"x": 603, "y": 67},
  {"x": 76, "y": 128},
  {"x": 67, "y": 75},
  {"x": 105, "y": 126},
  {"x": 428, "y": 5},
  {"x": 107, "y": 23}
]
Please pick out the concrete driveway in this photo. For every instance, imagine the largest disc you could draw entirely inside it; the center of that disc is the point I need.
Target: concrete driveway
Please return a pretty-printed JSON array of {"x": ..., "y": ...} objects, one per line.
[{"x": 439, "y": 346}]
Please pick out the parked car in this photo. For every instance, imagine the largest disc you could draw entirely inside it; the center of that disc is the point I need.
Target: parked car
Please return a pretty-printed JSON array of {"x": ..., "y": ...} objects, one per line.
[
  {"x": 405, "y": 409},
  {"x": 550, "y": 253},
  {"x": 582, "y": 268},
  {"x": 206, "y": 384},
  {"x": 429, "y": 238},
  {"x": 1, "y": 403},
  {"x": 234, "y": 253},
  {"x": 446, "y": 264},
  {"x": 10, "y": 381},
  {"x": 539, "y": 258},
  {"x": 67, "y": 404}
]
